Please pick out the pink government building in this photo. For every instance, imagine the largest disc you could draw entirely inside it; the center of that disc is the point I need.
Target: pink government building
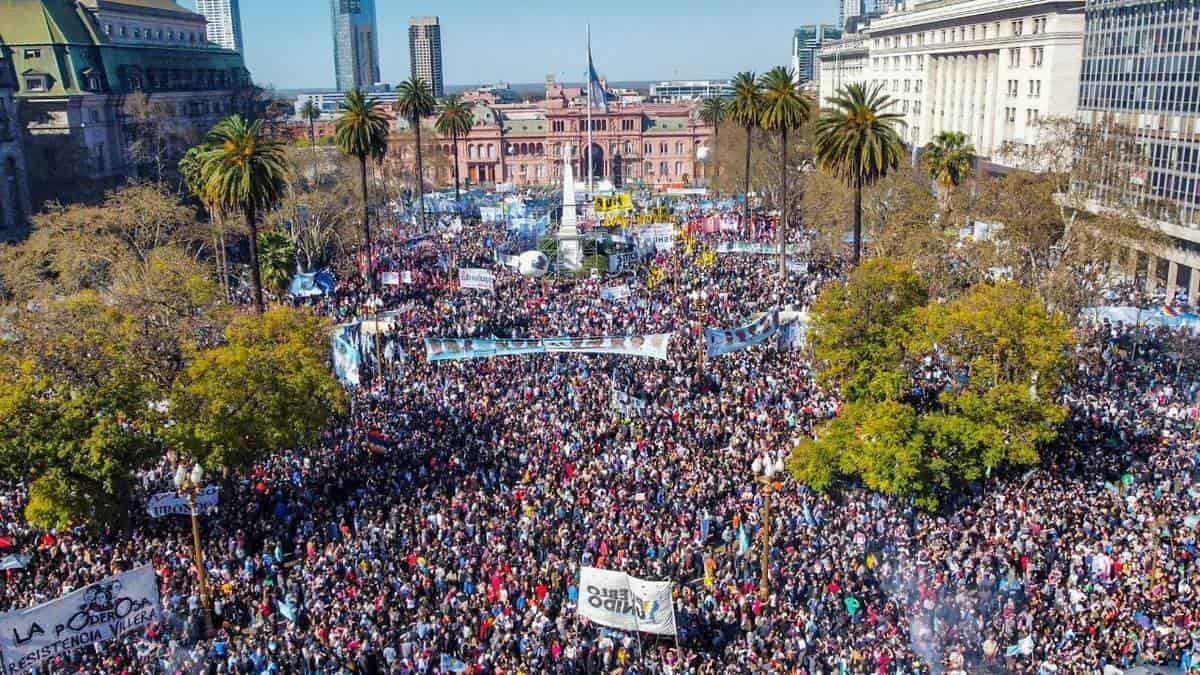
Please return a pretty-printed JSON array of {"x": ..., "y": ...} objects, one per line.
[{"x": 633, "y": 144}]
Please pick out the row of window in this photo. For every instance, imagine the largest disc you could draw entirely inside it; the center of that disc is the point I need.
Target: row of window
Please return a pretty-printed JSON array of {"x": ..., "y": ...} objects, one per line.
[
  {"x": 147, "y": 33},
  {"x": 560, "y": 126},
  {"x": 484, "y": 151},
  {"x": 982, "y": 31},
  {"x": 1031, "y": 116},
  {"x": 1035, "y": 88}
]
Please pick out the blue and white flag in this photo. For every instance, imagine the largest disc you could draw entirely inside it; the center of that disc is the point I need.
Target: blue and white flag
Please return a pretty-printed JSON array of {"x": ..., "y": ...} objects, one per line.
[
  {"x": 450, "y": 664},
  {"x": 743, "y": 540},
  {"x": 287, "y": 610},
  {"x": 597, "y": 98}
]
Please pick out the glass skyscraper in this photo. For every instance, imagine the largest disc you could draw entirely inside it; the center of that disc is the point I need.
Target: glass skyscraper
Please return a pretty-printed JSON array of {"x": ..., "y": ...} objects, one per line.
[
  {"x": 224, "y": 22},
  {"x": 355, "y": 44},
  {"x": 806, "y": 41}
]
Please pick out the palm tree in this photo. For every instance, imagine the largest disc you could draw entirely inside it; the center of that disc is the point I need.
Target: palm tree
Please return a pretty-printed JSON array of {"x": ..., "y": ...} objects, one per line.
[
  {"x": 713, "y": 112},
  {"x": 361, "y": 131},
  {"x": 745, "y": 109},
  {"x": 312, "y": 113},
  {"x": 190, "y": 171},
  {"x": 456, "y": 120},
  {"x": 857, "y": 141},
  {"x": 948, "y": 157},
  {"x": 416, "y": 101},
  {"x": 784, "y": 109},
  {"x": 241, "y": 168}
]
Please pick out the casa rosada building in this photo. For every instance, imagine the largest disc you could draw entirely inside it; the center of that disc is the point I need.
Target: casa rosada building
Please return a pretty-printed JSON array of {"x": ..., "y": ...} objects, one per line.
[{"x": 643, "y": 144}]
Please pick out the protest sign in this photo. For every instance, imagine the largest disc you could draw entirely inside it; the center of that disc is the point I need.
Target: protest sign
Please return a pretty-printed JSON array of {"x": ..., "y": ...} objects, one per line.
[
  {"x": 171, "y": 504},
  {"x": 452, "y": 349},
  {"x": 617, "y": 600}
]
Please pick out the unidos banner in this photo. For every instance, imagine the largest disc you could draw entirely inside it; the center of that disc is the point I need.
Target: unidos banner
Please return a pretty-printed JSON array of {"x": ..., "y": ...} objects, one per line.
[
  {"x": 617, "y": 600},
  {"x": 725, "y": 341},
  {"x": 451, "y": 349},
  {"x": 96, "y": 613}
]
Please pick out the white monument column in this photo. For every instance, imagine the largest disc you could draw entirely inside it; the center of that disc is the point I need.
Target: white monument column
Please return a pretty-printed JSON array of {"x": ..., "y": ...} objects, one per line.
[{"x": 569, "y": 250}]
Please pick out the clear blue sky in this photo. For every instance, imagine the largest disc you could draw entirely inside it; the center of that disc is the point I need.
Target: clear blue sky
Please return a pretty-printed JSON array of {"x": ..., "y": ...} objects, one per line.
[{"x": 288, "y": 42}]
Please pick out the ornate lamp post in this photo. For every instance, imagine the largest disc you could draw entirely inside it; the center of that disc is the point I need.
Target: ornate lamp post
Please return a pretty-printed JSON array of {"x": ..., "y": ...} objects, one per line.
[
  {"x": 190, "y": 484},
  {"x": 764, "y": 471}
]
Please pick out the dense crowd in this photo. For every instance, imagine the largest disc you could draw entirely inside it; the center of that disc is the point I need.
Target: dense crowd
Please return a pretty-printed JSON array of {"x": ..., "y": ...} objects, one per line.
[{"x": 443, "y": 523}]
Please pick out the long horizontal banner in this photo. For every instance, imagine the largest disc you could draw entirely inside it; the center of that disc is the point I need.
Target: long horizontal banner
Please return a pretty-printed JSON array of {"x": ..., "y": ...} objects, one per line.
[
  {"x": 724, "y": 341},
  {"x": 617, "y": 600},
  {"x": 754, "y": 248},
  {"x": 477, "y": 278},
  {"x": 95, "y": 613},
  {"x": 451, "y": 349},
  {"x": 171, "y": 504}
]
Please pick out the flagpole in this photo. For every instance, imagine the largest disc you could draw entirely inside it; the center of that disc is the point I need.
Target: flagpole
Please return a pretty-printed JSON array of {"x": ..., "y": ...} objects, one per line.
[{"x": 589, "y": 107}]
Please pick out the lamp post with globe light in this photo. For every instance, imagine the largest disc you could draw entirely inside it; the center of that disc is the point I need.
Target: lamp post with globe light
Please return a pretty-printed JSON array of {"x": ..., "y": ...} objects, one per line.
[
  {"x": 764, "y": 472},
  {"x": 190, "y": 484}
]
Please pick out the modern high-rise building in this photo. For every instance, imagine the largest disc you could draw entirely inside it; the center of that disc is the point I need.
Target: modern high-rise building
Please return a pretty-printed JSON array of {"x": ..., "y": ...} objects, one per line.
[
  {"x": 805, "y": 43},
  {"x": 224, "y": 22},
  {"x": 848, "y": 10},
  {"x": 355, "y": 44},
  {"x": 425, "y": 52},
  {"x": 1139, "y": 96}
]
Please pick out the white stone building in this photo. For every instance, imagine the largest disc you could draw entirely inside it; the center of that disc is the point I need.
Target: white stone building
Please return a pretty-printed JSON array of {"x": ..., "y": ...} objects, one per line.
[
  {"x": 987, "y": 68},
  {"x": 846, "y": 61}
]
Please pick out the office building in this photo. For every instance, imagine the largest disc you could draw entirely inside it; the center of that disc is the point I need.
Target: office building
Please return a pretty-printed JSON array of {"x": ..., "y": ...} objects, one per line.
[
  {"x": 842, "y": 62},
  {"x": 1139, "y": 95},
  {"x": 676, "y": 91},
  {"x": 80, "y": 62},
  {"x": 224, "y": 22},
  {"x": 988, "y": 69},
  {"x": 849, "y": 9},
  {"x": 425, "y": 52},
  {"x": 355, "y": 44},
  {"x": 330, "y": 102},
  {"x": 806, "y": 41}
]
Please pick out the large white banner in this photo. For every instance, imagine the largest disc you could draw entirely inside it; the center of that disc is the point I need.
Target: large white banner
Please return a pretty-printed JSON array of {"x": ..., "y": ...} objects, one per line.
[
  {"x": 724, "y": 341},
  {"x": 477, "y": 278},
  {"x": 171, "y": 504},
  {"x": 617, "y": 600},
  {"x": 452, "y": 349},
  {"x": 102, "y": 611}
]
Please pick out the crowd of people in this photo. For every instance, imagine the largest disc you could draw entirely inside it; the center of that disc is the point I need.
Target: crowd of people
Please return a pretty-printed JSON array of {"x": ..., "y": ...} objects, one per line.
[{"x": 441, "y": 526}]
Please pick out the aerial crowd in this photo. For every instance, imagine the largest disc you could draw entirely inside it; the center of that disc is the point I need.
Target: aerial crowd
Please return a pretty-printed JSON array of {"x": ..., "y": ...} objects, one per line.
[{"x": 441, "y": 525}]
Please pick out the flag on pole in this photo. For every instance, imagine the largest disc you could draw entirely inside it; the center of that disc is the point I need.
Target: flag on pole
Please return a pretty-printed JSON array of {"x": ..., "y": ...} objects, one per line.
[{"x": 596, "y": 97}]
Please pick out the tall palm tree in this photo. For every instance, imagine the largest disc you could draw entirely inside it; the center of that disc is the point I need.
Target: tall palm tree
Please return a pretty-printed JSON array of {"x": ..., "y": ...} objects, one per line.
[
  {"x": 455, "y": 120},
  {"x": 241, "y": 168},
  {"x": 361, "y": 131},
  {"x": 745, "y": 109},
  {"x": 784, "y": 109},
  {"x": 310, "y": 112},
  {"x": 858, "y": 142},
  {"x": 948, "y": 157},
  {"x": 190, "y": 168},
  {"x": 713, "y": 112},
  {"x": 415, "y": 102}
]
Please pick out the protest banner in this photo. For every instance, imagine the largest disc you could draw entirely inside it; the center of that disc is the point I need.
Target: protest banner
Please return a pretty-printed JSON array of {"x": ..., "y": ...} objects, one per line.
[
  {"x": 725, "y": 341},
  {"x": 477, "y": 278},
  {"x": 171, "y": 504},
  {"x": 451, "y": 349},
  {"x": 615, "y": 292},
  {"x": 627, "y": 404},
  {"x": 93, "y": 614},
  {"x": 617, "y": 600}
]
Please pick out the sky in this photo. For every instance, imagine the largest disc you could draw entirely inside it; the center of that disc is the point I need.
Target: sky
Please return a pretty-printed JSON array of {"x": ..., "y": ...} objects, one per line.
[{"x": 288, "y": 43}]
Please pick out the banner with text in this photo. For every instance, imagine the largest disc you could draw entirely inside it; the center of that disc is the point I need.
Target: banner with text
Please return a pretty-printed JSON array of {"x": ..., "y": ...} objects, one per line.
[
  {"x": 617, "y": 600},
  {"x": 627, "y": 404},
  {"x": 754, "y": 248},
  {"x": 724, "y": 341},
  {"x": 96, "y": 613},
  {"x": 171, "y": 504},
  {"x": 451, "y": 349},
  {"x": 477, "y": 278}
]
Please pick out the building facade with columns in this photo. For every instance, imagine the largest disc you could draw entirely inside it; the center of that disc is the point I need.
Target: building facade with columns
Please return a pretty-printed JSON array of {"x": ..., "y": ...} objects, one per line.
[
  {"x": 650, "y": 145},
  {"x": 14, "y": 190},
  {"x": 990, "y": 69},
  {"x": 845, "y": 61}
]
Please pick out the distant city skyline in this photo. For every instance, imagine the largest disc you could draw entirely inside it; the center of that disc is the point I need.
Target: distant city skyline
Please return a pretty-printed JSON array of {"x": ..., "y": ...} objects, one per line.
[{"x": 288, "y": 43}]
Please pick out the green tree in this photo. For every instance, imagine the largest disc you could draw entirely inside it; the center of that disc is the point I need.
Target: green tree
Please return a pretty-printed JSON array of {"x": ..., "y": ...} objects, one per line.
[
  {"x": 861, "y": 329},
  {"x": 857, "y": 141},
  {"x": 784, "y": 109},
  {"x": 362, "y": 132},
  {"x": 416, "y": 102},
  {"x": 948, "y": 158},
  {"x": 745, "y": 109},
  {"x": 713, "y": 112},
  {"x": 455, "y": 121},
  {"x": 311, "y": 113},
  {"x": 277, "y": 253},
  {"x": 267, "y": 388},
  {"x": 243, "y": 169},
  {"x": 75, "y": 416}
]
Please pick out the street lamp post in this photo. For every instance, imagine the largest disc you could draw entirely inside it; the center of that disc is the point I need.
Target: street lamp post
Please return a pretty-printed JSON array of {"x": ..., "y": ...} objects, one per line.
[
  {"x": 764, "y": 471},
  {"x": 190, "y": 484}
]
